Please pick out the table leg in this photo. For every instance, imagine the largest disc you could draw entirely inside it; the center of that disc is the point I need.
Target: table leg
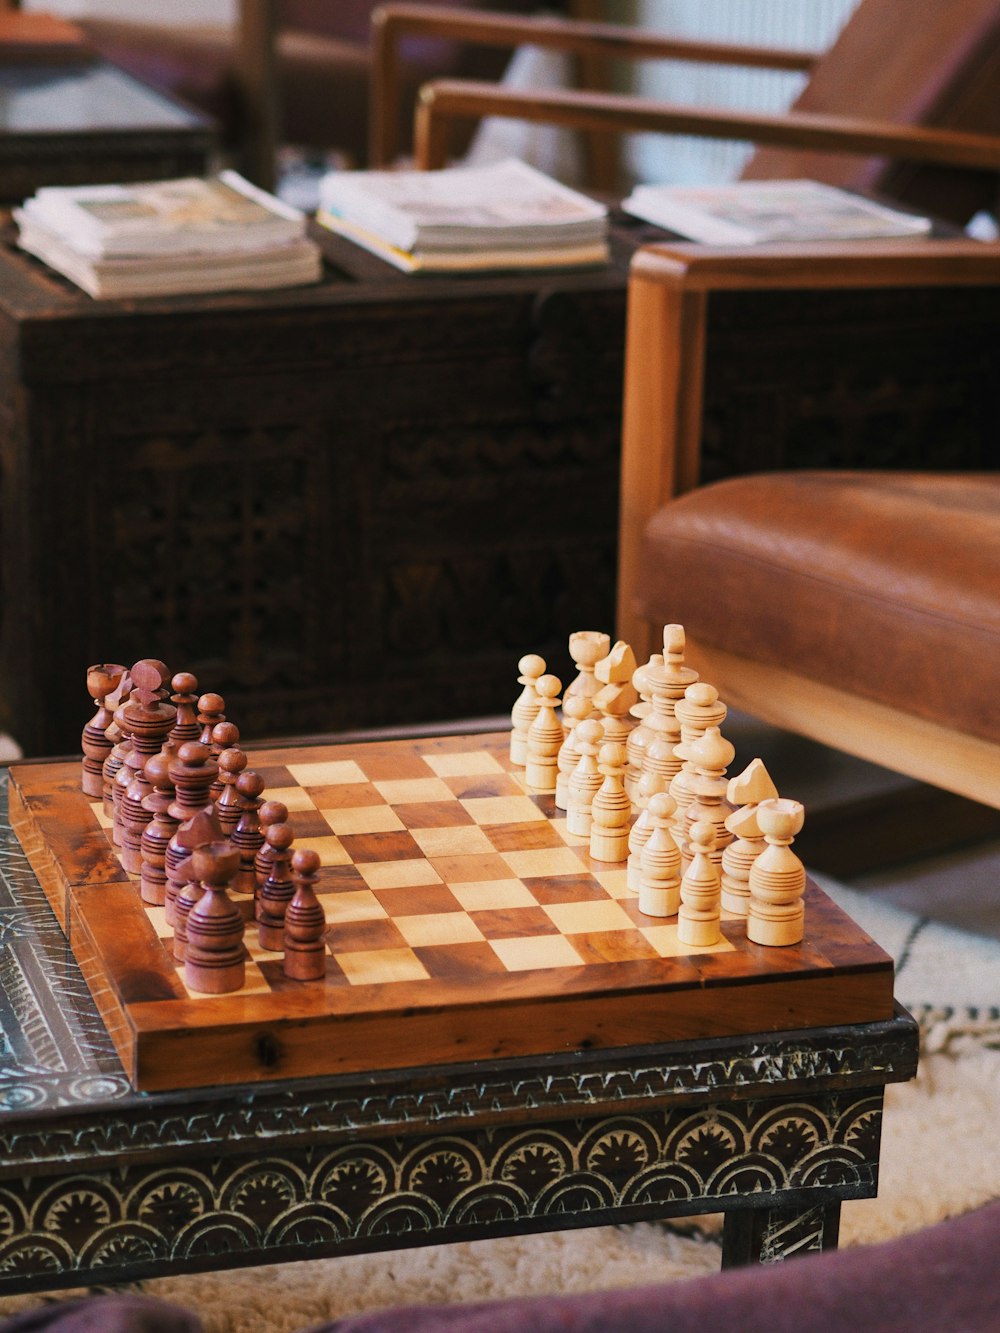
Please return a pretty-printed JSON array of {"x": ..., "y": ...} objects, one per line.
[{"x": 769, "y": 1235}]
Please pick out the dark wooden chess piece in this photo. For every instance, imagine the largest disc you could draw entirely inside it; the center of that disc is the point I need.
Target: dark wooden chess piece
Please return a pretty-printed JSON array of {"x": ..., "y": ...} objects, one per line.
[
  {"x": 276, "y": 892},
  {"x": 211, "y": 709},
  {"x": 225, "y": 736},
  {"x": 102, "y": 681},
  {"x": 248, "y": 835},
  {"x": 271, "y": 812},
  {"x": 158, "y": 832},
  {"x": 305, "y": 922},
  {"x": 149, "y": 718},
  {"x": 118, "y": 731},
  {"x": 185, "y": 700},
  {"x": 228, "y": 806},
  {"x": 191, "y": 771},
  {"x": 214, "y": 960}
]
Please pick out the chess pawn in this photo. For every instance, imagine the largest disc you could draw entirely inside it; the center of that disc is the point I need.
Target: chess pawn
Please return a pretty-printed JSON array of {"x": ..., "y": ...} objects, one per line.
[
  {"x": 711, "y": 755},
  {"x": 640, "y": 735},
  {"x": 545, "y": 737},
  {"x": 185, "y": 699},
  {"x": 575, "y": 708},
  {"x": 586, "y": 647},
  {"x": 102, "y": 681},
  {"x": 191, "y": 770},
  {"x": 745, "y": 791},
  {"x": 211, "y": 711},
  {"x": 276, "y": 892},
  {"x": 214, "y": 959},
  {"x": 699, "y": 917},
  {"x": 699, "y": 709},
  {"x": 611, "y": 809},
  {"x": 158, "y": 832},
  {"x": 641, "y": 830},
  {"x": 182, "y": 907},
  {"x": 119, "y": 731},
  {"x": 660, "y": 862},
  {"x": 247, "y": 836},
  {"x": 305, "y": 922},
  {"x": 526, "y": 707},
  {"x": 225, "y": 736},
  {"x": 585, "y": 780},
  {"x": 149, "y": 718},
  {"x": 232, "y": 762},
  {"x": 777, "y": 877},
  {"x": 271, "y": 812}
]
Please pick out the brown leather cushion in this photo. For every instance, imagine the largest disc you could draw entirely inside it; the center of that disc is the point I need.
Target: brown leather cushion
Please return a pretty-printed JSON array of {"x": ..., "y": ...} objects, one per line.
[{"x": 884, "y": 585}]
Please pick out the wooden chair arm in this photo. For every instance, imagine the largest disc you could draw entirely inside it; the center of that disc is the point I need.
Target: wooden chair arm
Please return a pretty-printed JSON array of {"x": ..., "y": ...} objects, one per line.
[
  {"x": 392, "y": 22},
  {"x": 444, "y": 101}
]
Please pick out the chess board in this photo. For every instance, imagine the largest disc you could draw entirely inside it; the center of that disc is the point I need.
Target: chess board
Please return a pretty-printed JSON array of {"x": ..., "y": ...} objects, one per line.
[{"x": 465, "y": 923}]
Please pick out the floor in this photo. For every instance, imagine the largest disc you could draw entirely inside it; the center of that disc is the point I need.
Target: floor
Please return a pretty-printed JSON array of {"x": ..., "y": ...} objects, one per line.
[{"x": 961, "y": 888}]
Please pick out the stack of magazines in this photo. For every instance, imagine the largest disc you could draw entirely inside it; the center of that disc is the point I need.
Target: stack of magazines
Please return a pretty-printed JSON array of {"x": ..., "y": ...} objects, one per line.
[
  {"x": 506, "y": 216},
  {"x": 164, "y": 238}
]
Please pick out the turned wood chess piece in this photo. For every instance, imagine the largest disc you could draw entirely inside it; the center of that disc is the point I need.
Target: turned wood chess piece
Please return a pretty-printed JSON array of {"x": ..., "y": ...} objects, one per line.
[
  {"x": 642, "y": 829},
  {"x": 710, "y": 755},
  {"x": 102, "y": 682},
  {"x": 611, "y": 809},
  {"x": 575, "y": 708},
  {"x": 149, "y": 718},
  {"x": 745, "y": 792},
  {"x": 526, "y": 706},
  {"x": 191, "y": 770},
  {"x": 585, "y": 780},
  {"x": 776, "y": 915},
  {"x": 271, "y": 812},
  {"x": 545, "y": 738},
  {"x": 228, "y": 806},
  {"x": 660, "y": 861},
  {"x": 158, "y": 832},
  {"x": 586, "y": 647},
  {"x": 699, "y": 709},
  {"x": 214, "y": 960},
  {"x": 640, "y": 735},
  {"x": 699, "y": 917},
  {"x": 666, "y": 682},
  {"x": 305, "y": 922},
  {"x": 185, "y": 699},
  {"x": 277, "y": 890},
  {"x": 248, "y": 836}
]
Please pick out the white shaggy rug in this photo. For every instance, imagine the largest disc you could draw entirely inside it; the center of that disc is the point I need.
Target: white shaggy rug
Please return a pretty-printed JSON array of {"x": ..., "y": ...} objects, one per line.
[{"x": 940, "y": 1156}]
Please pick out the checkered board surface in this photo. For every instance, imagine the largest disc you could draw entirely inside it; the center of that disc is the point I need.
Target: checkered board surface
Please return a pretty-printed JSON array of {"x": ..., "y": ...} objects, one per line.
[{"x": 463, "y": 922}]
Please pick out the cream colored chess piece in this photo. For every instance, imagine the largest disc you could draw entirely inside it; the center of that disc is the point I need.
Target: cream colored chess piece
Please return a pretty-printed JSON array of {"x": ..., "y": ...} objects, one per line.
[
  {"x": 586, "y": 647},
  {"x": 745, "y": 792},
  {"x": 640, "y": 735},
  {"x": 710, "y": 755},
  {"x": 641, "y": 830},
  {"x": 617, "y": 695},
  {"x": 777, "y": 877},
  {"x": 545, "y": 737},
  {"x": 660, "y": 862},
  {"x": 611, "y": 809},
  {"x": 699, "y": 709},
  {"x": 698, "y": 920},
  {"x": 575, "y": 708},
  {"x": 526, "y": 706},
  {"x": 667, "y": 682},
  {"x": 586, "y": 778}
]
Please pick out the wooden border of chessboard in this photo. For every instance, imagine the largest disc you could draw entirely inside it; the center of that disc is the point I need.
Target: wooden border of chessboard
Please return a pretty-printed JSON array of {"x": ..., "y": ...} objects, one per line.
[{"x": 168, "y": 1040}]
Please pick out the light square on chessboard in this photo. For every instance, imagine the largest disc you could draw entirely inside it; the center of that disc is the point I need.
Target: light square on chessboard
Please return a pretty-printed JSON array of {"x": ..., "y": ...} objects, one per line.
[
  {"x": 438, "y": 928},
  {"x": 488, "y": 810},
  {"x": 666, "y": 941},
  {"x": 378, "y": 966},
  {"x": 399, "y": 874},
  {"x": 328, "y": 773},
  {"x": 466, "y": 763},
  {"x": 356, "y": 905},
  {"x": 614, "y": 881},
  {"x": 586, "y": 917},
  {"x": 294, "y": 798},
  {"x": 100, "y": 816},
  {"x": 406, "y": 791},
  {"x": 543, "y": 862},
  {"x": 157, "y": 917},
  {"x": 491, "y": 894},
  {"x": 529, "y": 953},
  {"x": 330, "y": 849},
  {"x": 379, "y": 818},
  {"x": 465, "y": 840}
]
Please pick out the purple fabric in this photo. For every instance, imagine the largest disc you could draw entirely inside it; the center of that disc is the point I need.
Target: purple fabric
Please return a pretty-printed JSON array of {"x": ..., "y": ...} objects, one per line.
[
  {"x": 942, "y": 1280},
  {"x": 105, "y": 1314}
]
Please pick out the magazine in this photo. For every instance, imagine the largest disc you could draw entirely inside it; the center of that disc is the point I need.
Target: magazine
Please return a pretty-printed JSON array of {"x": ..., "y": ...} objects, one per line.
[
  {"x": 478, "y": 259},
  {"x": 754, "y": 212},
  {"x": 463, "y": 209},
  {"x": 225, "y": 214}
]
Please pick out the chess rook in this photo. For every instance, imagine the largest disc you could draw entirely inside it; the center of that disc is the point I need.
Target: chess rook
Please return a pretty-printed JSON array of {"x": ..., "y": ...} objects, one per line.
[
  {"x": 586, "y": 647},
  {"x": 102, "y": 681}
]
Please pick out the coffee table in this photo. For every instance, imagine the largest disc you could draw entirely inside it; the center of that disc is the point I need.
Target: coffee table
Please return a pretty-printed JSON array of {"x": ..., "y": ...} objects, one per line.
[{"x": 101, "y": 1183}]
